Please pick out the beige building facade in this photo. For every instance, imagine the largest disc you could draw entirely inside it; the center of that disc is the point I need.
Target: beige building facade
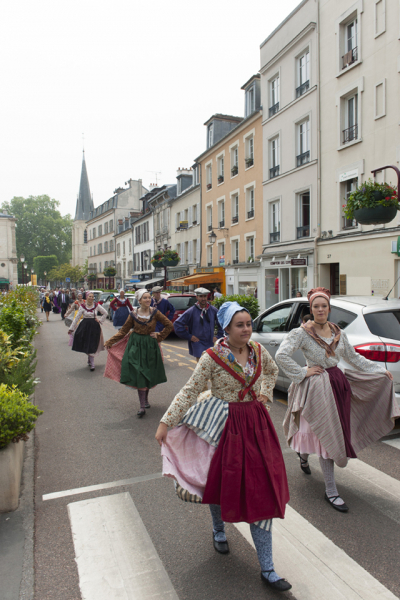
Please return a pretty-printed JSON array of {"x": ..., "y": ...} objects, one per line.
[
  {"x": 360, "y": 116},
  {"x": 290, "y": 131},
  {"x": 8, "y": 252}
]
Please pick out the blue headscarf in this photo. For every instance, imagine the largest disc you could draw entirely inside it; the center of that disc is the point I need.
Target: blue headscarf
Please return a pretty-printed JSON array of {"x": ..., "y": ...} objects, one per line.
[{"x": 227, "y": 312}]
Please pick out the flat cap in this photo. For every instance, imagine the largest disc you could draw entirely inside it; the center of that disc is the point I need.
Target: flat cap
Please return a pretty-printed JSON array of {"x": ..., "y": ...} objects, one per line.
[
  {"x": 201, "y": 291},
  {"x": 157, "y": 288}
]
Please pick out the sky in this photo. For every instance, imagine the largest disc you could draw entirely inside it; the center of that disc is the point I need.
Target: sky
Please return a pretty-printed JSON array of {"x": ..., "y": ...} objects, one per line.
[{"x": 132, "y": 81}]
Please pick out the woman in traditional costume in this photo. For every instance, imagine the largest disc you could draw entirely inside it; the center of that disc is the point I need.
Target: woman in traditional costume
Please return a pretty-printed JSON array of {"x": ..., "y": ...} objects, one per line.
[
  {"x": 330, "y": 413},
  {"x": 56, "y": 305},
  {"x": 74, "y": 307},
  {"x": 47, "y": 305},
  {"x": 224, "y": 450},
  {"x": 122, "y": 307},
  {"x": 88, "y": 337},
  {"x": 134, "y": 358}
]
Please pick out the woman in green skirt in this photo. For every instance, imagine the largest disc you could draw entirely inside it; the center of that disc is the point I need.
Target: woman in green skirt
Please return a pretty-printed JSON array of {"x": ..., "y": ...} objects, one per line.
[{"x": 136, "y": 358}]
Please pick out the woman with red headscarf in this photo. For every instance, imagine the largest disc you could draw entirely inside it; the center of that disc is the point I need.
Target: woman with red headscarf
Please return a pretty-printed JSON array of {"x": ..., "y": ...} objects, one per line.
[{"x": 331, "y": 413}]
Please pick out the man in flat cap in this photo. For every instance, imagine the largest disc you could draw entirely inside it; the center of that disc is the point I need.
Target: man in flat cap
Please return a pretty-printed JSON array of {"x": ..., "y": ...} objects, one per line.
[
  {"x": 162, "y": 304},
  {"x": 197, "y": 324}
]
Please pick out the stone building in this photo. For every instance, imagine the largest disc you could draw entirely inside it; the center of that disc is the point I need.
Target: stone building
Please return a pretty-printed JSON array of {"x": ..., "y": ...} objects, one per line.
[
  {"x": 84, "y": 206},
  {"x": 8, "y": 252}
]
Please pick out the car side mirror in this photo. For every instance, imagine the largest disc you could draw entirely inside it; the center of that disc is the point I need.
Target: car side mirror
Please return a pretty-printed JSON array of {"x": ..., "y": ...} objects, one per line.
[{"x": 255, "y": 325}]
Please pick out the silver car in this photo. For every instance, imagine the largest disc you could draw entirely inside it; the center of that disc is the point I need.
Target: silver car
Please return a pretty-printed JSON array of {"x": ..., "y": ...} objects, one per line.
[
  {"x": 371, "y": 324},
  {"x": 106, "y": 304}
]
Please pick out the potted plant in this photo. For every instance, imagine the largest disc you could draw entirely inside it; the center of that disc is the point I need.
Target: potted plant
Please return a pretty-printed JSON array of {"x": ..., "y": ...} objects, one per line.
[
  {"x": 156, "y": 260},
  {"x": 220, "y": 178},
  {"x": 209, "y": 186},
  {"x": 170, "y": 258},
  {"x": 17, "y": 418},
  {"x": 235, "y": 170},
  {"x": 249, "y": 162},
  {"x": 372, "y": 203},
  {"x": 250, "y": 259}
]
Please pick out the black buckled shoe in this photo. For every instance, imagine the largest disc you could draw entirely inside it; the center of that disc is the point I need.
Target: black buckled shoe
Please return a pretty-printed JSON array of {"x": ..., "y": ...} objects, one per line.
[
  {"x": 221, "y": 547},
  {"x": 303, "y": 462},
  {"x": 340, "y": 507},
  {"x": 140, "y": 413},
  {"x": 147, "y": 405},
  {"x": 279, "y": 586}
]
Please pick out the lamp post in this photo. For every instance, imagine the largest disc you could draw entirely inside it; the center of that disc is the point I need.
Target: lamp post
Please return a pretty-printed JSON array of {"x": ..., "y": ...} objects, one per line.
[
  {"x": 44, "y": 273},
  {"x": 32, "y": 272},
  {"x": 25, "y": 267},
  {"x": 22, "y": 259}
]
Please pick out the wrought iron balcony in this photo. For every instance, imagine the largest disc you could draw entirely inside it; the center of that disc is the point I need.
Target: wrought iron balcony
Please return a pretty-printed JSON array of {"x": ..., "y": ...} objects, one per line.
[
  {"x": 303, "y": 158},
  {"x": 250, "y": 214},
  {"x": 249, "y": 162},
  {"x": 222, "y": 223},
  {"x": 274, "y": 237},
  {"x": 235, "y": 219},
  {"x": 209, "y": 264},
  {"x": 209, "y": 186},
  {"x": 350, "y": 57},
  {"x": 302, "y": 88},
  {"x": 303, "y": 231},
  {"x": 274, "y": 172},
  {"x": 273, "y": 109},
  {"x": 350, "y": 134},
  {"x": 234, "y": 170},
  {"x": 220, "y": 179},
  {"x": 235, "y": 261},
  {"x": 209, "y": 228}
]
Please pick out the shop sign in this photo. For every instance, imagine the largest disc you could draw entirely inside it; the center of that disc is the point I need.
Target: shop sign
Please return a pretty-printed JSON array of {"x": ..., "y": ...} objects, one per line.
[
  {"x": 204, "y": 270},
  {"x": 183, "y": 224},
  {"x": 280, "y": 262},
  {"x": 298, "y": 262},
  {"x": 221, "y": 260},
  {"x": 348, "y": 175}
]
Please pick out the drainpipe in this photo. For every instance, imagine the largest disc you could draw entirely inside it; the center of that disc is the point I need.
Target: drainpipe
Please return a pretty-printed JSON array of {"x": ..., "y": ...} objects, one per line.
[{"x": 318, "y": 232}]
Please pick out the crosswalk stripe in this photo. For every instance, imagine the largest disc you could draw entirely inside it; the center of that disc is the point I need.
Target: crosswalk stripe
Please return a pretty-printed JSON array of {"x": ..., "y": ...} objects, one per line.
[
  {"x": 115, "y": 556},
  {"x": 395, "y": 443},
  {"x": 315, "y": 566}
]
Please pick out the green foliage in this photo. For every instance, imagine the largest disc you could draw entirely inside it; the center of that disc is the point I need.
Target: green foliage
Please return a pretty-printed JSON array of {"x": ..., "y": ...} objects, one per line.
[
  {"x": 110, "y": 271},
  {"x": 157, "y": 258},
  {"x": 249, "y": 302},
  {"x": 22, "y": 375},
  {"x": 41, "y": 230},
  {"x": 92, "y": 277},
  {"x": 370, "y": 194},
  {"x": 17, "y": 415},
  {"x": 61, "y": 272},
  {"x": 44, "y": 263}
]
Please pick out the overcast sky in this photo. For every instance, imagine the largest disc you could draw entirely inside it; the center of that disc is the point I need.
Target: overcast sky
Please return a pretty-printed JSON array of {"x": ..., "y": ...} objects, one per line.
[{"x": 139, "y": 79}]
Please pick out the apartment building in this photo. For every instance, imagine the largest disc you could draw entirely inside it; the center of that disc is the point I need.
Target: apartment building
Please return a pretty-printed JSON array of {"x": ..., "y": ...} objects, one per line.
[
  {"x": 360, "y": 116},
  {"x": 123, "y": 241},
  {"x": 290, "y": 124},
  {"x": 231, "y": 192},
  {"x": 8, "y": 252}
]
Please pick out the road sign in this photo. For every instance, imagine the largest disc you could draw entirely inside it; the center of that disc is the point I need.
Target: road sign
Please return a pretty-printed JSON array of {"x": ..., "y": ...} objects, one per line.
[{"x": 68, "y": 279}]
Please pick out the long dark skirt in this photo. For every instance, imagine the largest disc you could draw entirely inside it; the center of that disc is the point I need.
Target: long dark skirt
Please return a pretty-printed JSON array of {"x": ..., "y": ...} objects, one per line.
[
  {"x": 87, "y": 336},
  {"x": 142, "y": 365},
  {"x": 247, "y": 475},
  {"x": 342, "y": 392},
  {"x": 120, "y": 316}
]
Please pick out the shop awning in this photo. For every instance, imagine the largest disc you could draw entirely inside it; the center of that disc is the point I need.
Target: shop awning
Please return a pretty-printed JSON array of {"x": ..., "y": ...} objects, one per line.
[
  {"x": 149, "y": 282},
  {"x": 197, "y": 279},
  {"x": 2, "y": 280}
]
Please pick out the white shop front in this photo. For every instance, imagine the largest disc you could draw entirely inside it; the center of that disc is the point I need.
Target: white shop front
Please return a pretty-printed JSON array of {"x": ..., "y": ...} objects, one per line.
[
  {"x": 243, "y": 280},
  {"x": 285, "y": 276}
]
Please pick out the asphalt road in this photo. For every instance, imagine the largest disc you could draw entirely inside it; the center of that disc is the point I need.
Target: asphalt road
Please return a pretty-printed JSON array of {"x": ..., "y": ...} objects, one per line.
[{"x": 89, "y": 435}]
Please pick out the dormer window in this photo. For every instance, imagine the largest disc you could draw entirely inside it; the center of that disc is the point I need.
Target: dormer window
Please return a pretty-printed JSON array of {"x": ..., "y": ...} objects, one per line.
[
  {"x": 250, "y": 98},
  {"x": 210, "y": 135}
]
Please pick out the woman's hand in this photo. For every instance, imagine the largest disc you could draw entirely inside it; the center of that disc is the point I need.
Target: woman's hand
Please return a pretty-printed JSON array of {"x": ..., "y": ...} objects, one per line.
[
  {"x": 161, "y": 433},
  {"x": 388, "y": 374},
  {"x": 314, "y": 371},
  {"x": 155, "y": 334},
  {"x": 262, "y": 398}
]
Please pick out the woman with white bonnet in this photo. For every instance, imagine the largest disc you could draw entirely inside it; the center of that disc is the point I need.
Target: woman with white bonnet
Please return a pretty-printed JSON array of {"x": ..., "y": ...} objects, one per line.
[
  {"x": 224, "y": 450},
  {"x": 330, "y": 413},
  {"x": 134, "y": 357},
  {"x": 88, "y": 337},
  {"x": 121, "y": 307}
]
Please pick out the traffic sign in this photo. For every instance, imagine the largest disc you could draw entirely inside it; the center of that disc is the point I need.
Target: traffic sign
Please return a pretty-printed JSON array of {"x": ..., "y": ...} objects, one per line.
[{"x": 68, "y": 279}]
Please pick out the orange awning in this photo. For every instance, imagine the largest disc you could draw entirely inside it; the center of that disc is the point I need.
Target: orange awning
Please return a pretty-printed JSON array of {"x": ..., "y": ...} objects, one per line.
[{"x": 197, "y": 279}]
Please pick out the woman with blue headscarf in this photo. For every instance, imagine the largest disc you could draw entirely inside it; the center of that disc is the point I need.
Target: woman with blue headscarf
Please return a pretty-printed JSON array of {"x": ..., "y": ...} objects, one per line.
[{"x": 224, "y": 450}]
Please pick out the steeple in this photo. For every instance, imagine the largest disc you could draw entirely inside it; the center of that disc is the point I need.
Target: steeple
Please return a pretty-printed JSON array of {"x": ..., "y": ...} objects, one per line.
[{"x": 84, "y": 203}]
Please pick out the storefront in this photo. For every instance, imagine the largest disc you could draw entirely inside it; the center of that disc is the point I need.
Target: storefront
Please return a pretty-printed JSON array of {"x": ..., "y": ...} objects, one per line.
[
  {"x": 4, "y": 283},
  {"x": 285, "y": 276},
  {"x": 208, "y": 277},
  {"x": 243, "y": 280}
]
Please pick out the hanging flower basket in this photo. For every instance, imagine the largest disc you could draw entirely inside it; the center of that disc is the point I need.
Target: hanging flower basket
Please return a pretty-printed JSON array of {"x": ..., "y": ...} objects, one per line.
[
  {"x": 165, "y": 258},
  {"x": 169, "y": 262},
  {"x": 372, "y": 203}
]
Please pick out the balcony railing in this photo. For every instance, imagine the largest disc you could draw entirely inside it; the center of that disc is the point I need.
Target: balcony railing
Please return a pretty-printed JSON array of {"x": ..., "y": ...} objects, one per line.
[
  {"x": 303, "y": 158},
  {"x": 222, "y": 223},
  {"x": 303, "y": 231},
  {"x": 350, "y": 57},
  {"x": 274, "y": 237},
  {"x": 250, "y": 214},
  {"x": 220, "y": 179},
  {"x": 273, "y": 109},
  {"x": 350, "y": 134},
  {"x": 235, "y": 170},
  {"x": 209, "y": 264},
  {"x": 274, "y": 172},
  {"x": 235, "y": 219},
  {"x": 209, "y": 227},
  {"x": 249, "y": 162},
  {"x": 235, "y": 261},
  {"x": 302, "y": 88},
  {"x": 209, "y": 186}
]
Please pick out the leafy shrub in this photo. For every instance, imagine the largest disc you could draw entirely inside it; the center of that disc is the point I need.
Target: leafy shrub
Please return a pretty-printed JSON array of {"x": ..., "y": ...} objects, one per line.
[
  {"x": 12, "y": 322},
  {"x": 17, "y": 415},
  {"x": 249, "y": 302}
]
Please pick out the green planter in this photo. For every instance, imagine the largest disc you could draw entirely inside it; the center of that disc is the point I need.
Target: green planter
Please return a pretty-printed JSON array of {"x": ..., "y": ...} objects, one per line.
[
  {"x": 375, "y": 216},
  {"x": 170, "y": 262},
  {"x": 157, "y": 265}
]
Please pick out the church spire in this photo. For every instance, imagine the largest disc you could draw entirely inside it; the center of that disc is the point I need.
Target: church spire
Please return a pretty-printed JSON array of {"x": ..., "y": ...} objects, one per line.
[{"x": 84, "y": 203}]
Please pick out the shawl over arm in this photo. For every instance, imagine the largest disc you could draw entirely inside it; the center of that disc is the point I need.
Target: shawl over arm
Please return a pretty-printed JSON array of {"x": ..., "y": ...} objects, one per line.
[{"x": 283, "y": 357}]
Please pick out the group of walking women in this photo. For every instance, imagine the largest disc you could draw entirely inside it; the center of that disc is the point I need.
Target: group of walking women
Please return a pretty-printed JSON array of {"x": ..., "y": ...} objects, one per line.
[{"x": 220, "y": 446}]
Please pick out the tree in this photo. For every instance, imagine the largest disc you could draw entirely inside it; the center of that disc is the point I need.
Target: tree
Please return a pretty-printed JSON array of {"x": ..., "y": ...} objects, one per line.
[
  {"x": 44, "y": 263},
  {"x": 40, "y": 230},
  {"x": 60, "y": 273}
]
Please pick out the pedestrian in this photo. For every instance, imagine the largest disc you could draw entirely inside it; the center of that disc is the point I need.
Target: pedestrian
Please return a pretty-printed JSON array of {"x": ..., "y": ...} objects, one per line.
[
  {"x": 224, "y": 450},
  {"x": 122, "y": 308},
  {"x": 56, "y": 304},
  {"x": 47, "y": 305},
  {"x": 88, "y": 336},
  {"x": 299, "y": 295},
  {"x": 163, "y": 305},
  {"x": 73, "y": 307},
  {"x": 330, "y": 413},
  {"x": 217, "y": 292},
  {"x": 136, "y": 360},
  {"x": 41, "y": 298},
  {"x": 197, "y": 325},
  {"x": 63, "y": 298}
]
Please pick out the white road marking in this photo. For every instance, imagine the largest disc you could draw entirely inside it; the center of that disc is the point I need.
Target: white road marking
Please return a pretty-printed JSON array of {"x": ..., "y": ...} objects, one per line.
[
  {"x": 395, "y": 443},
  {"x": 101, "y": 486},
  {"x": 315, "y": 566},
  {"x": 115, "y": 556}
]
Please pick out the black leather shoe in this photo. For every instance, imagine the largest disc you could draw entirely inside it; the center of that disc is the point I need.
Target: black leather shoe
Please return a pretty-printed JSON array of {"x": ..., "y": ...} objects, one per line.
[
  {"x": 221, "y": 547},
  {"x": 147, "y": 405},
  {"x": 303, "y": 462},
  {"x": 340, "y": 507},
  {"x": 279, "y": 586},
  {"x": 140, "y": 413}
]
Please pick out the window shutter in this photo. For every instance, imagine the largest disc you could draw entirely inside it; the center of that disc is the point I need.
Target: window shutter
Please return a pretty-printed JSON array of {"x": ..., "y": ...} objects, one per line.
[
  {"x": 182, "y": 253},
  {"x": 198, "y": 251},
  {"x": 198, "y": 213},
  {"x": 190, "y": 213},
  {"x": 190, "y": 252},
  {"x": 177, "y": 220}
]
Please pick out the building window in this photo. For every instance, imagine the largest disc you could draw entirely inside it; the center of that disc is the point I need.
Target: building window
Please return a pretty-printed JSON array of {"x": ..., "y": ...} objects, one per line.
[
  {"x": 111, "y": 245},
  {"x": 350, "y": 131},
  {"x": 221, "y": 213},
  {"x": 100, "y": 249},
  {"x": 196, "y": 178},
  {"x": 303, "y": 142},
  {"x": 303, "y": 74},
  {"x": 348, "y": 187},
  {"x": 123, "y": 248},
  {"x": 235, "y": 252},
  {"x": 275, "y": 222},
  {"x": 209, "y": 256},
  {"x": 235, "y": 208},
  {"x": 100, "y": 230},
  {"x": 119, "y": 269},
  {"x": 210, "y": 135},
  {"x": 118, "y": 250},
  {"x": 380, "y": 17},
  {"x": 130, "y": 246},
  {"x": 209, "y": 176},
  {"x": 380, "y": 99},
  {"x": 94, "y": 232},
  {"x": 250, "y": 202},
  {"x": 99, "y": 267},
  {"x": 274, "y": 157},
  {"x": 249, "y": 149},
  {"x": 250, "y": 101},
  {"x": 234, "y": 161},
  {"x": 209, "y": 218},
  {"x": 303, "y": 215},
  {"x": 90, "y": 250},
  {"x": 111, "y": 225},
  {"x": 105, "y": 264},
  {"x": 105, "y": 246},
  {"x": 274, "y": 96},
  {"x": 105, "y": 228},
  {"x": 350, "y": 43},
  {"x": 221, "y": 254},
  {"x": 250, "y": 248},
  {"x": 220, "y": 169}
]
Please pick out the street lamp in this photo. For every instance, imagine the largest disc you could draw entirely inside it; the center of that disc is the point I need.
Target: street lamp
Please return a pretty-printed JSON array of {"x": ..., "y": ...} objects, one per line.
[
  {"x": 32, "y": 272},
  {"x": 25, "y": 277},
  {"x": 44, "y": 273},
  {"x": 22, "y": 259},
  {"x": 212, "y": 237}
]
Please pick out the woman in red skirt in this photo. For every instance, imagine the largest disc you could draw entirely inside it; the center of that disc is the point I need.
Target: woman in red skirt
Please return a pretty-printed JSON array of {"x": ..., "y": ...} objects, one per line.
[{"x": 224, "y": 451}]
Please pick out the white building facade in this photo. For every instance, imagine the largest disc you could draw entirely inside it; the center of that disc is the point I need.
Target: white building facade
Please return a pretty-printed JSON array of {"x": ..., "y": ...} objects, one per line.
[{"x": 8, "y": 252}]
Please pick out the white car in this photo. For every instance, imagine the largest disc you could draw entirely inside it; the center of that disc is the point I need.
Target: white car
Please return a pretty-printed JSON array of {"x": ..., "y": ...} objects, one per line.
[{"x": 371, "y": 324}]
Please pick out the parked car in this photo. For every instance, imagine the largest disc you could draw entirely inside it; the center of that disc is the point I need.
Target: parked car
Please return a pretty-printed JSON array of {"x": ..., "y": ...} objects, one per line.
[
  {"x": 181, "y": 302},
  {"x": 96, "y": 293},
  {"x": 371, "y": 324},
  {"x": 106, "y": 297},
  {"x": 106, "y": 304}
]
